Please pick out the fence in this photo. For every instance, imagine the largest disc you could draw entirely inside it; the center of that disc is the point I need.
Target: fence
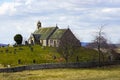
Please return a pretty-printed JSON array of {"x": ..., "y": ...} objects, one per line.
[{"x": 58, "y": 65}]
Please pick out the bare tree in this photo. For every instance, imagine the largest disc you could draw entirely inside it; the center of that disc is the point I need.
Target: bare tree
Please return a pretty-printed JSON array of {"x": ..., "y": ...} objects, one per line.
[{"x": 100, "y": 42}]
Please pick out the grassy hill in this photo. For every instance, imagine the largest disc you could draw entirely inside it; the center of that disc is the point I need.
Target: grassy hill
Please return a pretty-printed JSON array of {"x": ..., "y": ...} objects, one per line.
[{"x": 25, "y": 55}]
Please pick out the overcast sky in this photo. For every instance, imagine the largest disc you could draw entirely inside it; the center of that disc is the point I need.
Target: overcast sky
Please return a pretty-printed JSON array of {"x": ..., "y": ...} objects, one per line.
[{"x": 84, "y": 17}]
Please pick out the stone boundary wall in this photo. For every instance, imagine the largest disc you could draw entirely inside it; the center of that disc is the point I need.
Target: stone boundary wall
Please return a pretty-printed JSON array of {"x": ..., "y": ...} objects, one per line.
[{"x": 58, "y": 65}]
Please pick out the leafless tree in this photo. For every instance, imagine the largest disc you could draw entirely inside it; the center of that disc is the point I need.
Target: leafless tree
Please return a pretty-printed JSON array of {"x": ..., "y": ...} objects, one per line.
[{"x": 100, "y": 42}]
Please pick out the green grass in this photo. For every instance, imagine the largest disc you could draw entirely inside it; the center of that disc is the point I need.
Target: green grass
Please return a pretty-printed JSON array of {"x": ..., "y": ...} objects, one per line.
[
  {"x": 104, "y": 73},
  {"x": 41, "y": 55}
]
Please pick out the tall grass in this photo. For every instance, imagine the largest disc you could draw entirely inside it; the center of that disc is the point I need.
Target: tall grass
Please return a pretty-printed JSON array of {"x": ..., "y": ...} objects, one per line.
[{"x": 104, "y": 73}]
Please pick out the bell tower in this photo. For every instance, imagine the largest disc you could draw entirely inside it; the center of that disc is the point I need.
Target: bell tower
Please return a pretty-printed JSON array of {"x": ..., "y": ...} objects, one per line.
[{"x": 39, "y": 25}]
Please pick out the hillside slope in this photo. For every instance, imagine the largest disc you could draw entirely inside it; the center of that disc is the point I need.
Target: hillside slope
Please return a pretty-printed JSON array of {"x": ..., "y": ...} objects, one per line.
[{"x": 26, "y": 55}]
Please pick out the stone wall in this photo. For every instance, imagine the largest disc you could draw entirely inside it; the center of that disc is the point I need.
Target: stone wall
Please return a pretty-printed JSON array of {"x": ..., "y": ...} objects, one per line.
[{"x": 58, "y": 65}]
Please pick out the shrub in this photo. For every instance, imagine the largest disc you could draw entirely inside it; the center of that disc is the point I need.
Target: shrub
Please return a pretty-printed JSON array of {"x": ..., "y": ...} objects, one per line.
[{"x": 18, "y": 39}]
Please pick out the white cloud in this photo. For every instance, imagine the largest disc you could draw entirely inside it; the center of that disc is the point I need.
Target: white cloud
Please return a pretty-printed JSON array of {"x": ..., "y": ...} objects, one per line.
[
  {"x": 82, "y": 16},
  {"x": 107, "y": 10},
  {"x": 7, "y": 8}
]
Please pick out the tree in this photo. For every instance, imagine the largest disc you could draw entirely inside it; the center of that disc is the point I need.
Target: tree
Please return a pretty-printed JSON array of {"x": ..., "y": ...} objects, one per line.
[
  {"x": 68, "y": 44},
  {"x": 18, "y": 39},
  {"x": 100, "y": 42}
]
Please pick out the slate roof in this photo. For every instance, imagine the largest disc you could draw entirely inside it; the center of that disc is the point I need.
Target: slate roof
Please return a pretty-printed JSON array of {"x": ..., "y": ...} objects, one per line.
[
  {"x": 58, "y": 33},
  {"x": 36, "y": 36},
  {"x": 45, "y": 32}
]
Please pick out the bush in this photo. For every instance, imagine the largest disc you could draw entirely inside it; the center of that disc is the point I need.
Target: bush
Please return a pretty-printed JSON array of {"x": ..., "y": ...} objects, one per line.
[{"x": 18, "y": 39}]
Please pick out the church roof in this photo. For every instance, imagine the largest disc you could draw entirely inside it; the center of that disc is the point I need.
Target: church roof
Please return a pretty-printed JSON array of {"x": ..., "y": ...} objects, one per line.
[
  {"x": 37, "y": 36},
  {"x": 45, "y": 32},
  {"x": 58, "y": 33}
]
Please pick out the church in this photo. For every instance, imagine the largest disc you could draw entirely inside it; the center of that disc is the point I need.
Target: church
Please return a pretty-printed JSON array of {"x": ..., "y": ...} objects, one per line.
[{"x": 51, "y": 36}]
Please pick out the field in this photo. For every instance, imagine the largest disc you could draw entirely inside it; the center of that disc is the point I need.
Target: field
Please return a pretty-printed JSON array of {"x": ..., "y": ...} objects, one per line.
[
  {"x": 104, "y": 73},
  {"x": 25, "y": 55}
]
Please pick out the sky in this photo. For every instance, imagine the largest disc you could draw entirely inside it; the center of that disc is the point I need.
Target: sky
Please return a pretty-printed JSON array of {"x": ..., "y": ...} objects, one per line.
[{"x": 83, "y": 17}]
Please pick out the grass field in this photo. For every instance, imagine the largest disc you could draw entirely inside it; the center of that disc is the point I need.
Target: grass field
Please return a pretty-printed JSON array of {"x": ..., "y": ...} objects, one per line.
[
  {"x": 12, "y": 55},
  {"x": 104, "y": 73}
]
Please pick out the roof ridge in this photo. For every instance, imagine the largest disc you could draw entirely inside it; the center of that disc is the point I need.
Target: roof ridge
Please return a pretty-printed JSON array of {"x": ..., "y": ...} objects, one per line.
[
  {"x": 48, "y": 27},
  {"x": 62, "y": 29}
]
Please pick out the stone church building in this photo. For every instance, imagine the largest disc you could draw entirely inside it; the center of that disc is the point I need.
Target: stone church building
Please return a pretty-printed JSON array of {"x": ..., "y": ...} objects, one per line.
[{"x": 51, "y": 36}]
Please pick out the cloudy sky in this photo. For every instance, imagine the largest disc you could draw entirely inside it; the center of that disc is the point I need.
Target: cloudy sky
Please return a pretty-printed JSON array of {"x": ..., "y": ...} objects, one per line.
[{"x": 84, "y": 17}]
